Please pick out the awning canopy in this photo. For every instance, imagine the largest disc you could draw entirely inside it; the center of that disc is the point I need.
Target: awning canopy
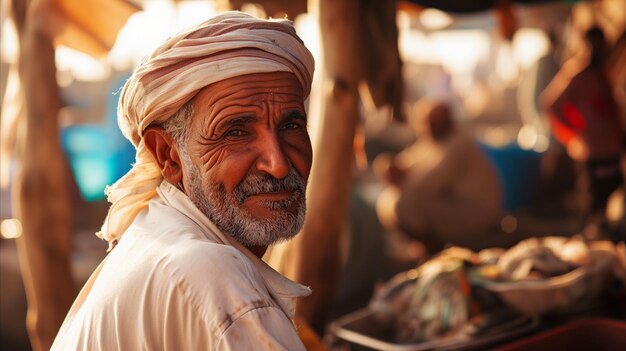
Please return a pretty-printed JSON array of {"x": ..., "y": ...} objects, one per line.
[{"x": 463, "y": 6}]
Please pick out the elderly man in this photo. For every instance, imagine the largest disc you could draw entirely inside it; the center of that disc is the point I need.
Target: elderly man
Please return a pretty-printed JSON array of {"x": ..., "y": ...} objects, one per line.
[
  {"x": 223, "y": 155},
  {"x": 442, "y": 189}
]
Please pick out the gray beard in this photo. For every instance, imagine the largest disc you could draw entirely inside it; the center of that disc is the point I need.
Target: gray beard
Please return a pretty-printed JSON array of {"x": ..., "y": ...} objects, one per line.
[{"x": 225, "y": 211}]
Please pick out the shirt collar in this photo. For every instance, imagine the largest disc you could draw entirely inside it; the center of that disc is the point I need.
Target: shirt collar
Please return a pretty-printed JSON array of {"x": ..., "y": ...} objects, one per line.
[{"x": 282, "y": 289}]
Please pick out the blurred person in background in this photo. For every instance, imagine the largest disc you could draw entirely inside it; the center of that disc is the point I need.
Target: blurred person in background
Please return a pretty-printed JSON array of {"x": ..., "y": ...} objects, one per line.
[
  {"x": 442, "y": 189},
  {"x": 557, "y": 170},
  {"x": 223, "y": 156},
  {"x": 585, "y": 118},
  {"x": 535, "y": 81}
]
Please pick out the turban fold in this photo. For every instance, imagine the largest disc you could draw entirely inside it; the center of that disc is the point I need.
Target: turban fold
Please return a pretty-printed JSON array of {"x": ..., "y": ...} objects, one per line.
[{"x": 229, "y": 45}]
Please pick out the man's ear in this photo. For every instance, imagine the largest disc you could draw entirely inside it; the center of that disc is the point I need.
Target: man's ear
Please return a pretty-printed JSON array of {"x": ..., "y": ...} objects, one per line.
[{"x": 165, "y": 151}]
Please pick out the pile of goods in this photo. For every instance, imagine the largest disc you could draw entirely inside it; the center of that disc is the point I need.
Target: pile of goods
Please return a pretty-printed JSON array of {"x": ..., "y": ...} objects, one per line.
[
  {"x": 461, "y": 294},
  {"x": 536, "y": 258}
]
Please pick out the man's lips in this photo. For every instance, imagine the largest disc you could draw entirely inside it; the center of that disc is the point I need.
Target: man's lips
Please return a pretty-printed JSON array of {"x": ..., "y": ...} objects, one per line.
[{"x": 274, "y": 195}]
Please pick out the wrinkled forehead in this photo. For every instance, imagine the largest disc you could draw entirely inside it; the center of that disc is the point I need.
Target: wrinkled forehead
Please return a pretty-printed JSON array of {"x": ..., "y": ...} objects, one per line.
[
  {"x": 228, "y": 46},
  {"x": 249, "y": 93},
  {"x": 266, "y": 84}
]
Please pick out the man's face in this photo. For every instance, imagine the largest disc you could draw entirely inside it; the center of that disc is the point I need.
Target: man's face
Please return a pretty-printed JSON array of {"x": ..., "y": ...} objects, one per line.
[{"x": 249, "y": 157}]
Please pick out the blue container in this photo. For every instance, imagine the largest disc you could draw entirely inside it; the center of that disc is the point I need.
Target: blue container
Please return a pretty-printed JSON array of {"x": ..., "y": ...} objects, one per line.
[
  {"x": 519, "y": 172},
  {"x": 98, "y": 157},
  {"x": 98, "y": 154}
]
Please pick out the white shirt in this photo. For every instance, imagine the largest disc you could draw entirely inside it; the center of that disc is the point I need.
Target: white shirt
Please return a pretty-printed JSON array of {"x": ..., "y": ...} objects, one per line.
[{"x": 175, "y": 282}]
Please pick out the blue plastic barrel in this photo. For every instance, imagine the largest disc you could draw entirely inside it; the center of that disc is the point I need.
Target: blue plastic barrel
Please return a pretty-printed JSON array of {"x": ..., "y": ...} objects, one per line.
[
  {"x": 98, "y": 153},
  {"x": 519, "y": 172}
]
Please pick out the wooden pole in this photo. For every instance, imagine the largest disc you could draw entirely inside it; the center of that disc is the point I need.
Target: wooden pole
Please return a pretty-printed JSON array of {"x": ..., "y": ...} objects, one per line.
[
  {"x": 41, "y": 199},
  {"x": 317, "y": 258}
]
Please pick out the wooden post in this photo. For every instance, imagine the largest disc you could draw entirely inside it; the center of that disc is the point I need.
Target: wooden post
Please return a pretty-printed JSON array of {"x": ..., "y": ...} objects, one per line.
[
  {"x": 317, "y": 258},
  {"x": 41, "y": 200},
  {"x": 359, "y": 43}
]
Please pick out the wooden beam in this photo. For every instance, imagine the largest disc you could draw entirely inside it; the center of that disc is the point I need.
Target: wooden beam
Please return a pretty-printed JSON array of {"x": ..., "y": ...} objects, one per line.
[
  {"x": 317, "y": 257},
  {"x": 41, "y": 200}
]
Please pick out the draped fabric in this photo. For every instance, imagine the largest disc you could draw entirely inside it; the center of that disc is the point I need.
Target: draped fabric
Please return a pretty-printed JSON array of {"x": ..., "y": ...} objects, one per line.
[
  {"x": 229, "y": 45},
  {"x": 456, "y": 6}
]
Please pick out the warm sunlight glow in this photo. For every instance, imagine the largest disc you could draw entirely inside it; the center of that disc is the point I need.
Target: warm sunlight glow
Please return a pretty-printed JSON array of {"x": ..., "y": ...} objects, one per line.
[
  {"x": 435, "y": 19},
  {"x": 8, "y": 42},
  {"x": 459, "y": 51},
  {"x": 146, "y": 29},
  {"x": 11, "y": 228},
  {"x": 82, "y": 66},
  {"x": 529, "y": 45},
  {"x": 527, "y": 137}
]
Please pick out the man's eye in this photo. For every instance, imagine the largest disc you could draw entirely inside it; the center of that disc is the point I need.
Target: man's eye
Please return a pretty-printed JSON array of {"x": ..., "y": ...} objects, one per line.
[
  {"x": 236, "y": 133},
  {"x": 292, "y": 125}
]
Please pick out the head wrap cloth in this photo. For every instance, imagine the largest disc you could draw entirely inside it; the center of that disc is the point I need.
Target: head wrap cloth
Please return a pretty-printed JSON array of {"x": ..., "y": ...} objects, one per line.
[{"x": 229, "y": 45}]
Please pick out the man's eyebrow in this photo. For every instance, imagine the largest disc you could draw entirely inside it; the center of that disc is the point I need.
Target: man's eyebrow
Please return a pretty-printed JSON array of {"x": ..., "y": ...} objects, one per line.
[
  {"x": 295, "y": 115},
  {"x": 235, "y": 121},
  {"x": 241, "y": 120}
]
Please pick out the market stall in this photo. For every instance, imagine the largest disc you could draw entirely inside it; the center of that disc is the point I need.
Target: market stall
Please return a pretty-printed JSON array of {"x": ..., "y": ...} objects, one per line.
[{"x": 532, "y": 293}]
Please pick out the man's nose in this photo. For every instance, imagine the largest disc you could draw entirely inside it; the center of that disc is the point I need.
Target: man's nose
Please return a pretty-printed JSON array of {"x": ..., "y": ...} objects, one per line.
[{"x": 272, "y": 158}]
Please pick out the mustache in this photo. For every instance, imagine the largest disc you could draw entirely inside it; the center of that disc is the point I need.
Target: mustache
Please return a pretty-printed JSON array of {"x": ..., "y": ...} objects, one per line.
[{"x": 258, "y": 183}]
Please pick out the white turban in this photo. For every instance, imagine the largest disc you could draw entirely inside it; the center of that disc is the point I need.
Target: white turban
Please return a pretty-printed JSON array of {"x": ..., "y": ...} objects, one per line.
[{"x": 229, "y": 45}]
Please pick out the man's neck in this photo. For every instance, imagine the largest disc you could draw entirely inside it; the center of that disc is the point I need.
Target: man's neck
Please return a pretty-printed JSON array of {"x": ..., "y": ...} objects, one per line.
[{"x": 258, "y": 251}]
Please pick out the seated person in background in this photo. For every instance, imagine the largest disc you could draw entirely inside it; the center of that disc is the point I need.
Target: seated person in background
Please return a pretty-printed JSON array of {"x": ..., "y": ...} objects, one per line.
[
  {"x": 586, "y": 120},
  {"x": 442, "y": 189}
]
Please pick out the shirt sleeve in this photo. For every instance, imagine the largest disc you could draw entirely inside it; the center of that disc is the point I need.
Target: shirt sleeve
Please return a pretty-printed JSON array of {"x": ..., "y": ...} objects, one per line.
[{"x": 265, "y": 328}]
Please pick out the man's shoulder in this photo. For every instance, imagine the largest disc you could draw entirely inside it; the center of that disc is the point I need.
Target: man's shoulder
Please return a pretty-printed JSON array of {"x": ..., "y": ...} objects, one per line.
[
  {"x": 204, "y": 262},
  {"x": 206, "y": 276},
  {"x": 170, "y": 289},
  {"x": 216, "y": 277},
  {"x": 174, "y": 247}
]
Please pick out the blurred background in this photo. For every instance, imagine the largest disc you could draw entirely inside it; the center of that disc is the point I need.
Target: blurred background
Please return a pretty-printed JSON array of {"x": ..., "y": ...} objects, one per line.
[{"x": 64, "y": 62}]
